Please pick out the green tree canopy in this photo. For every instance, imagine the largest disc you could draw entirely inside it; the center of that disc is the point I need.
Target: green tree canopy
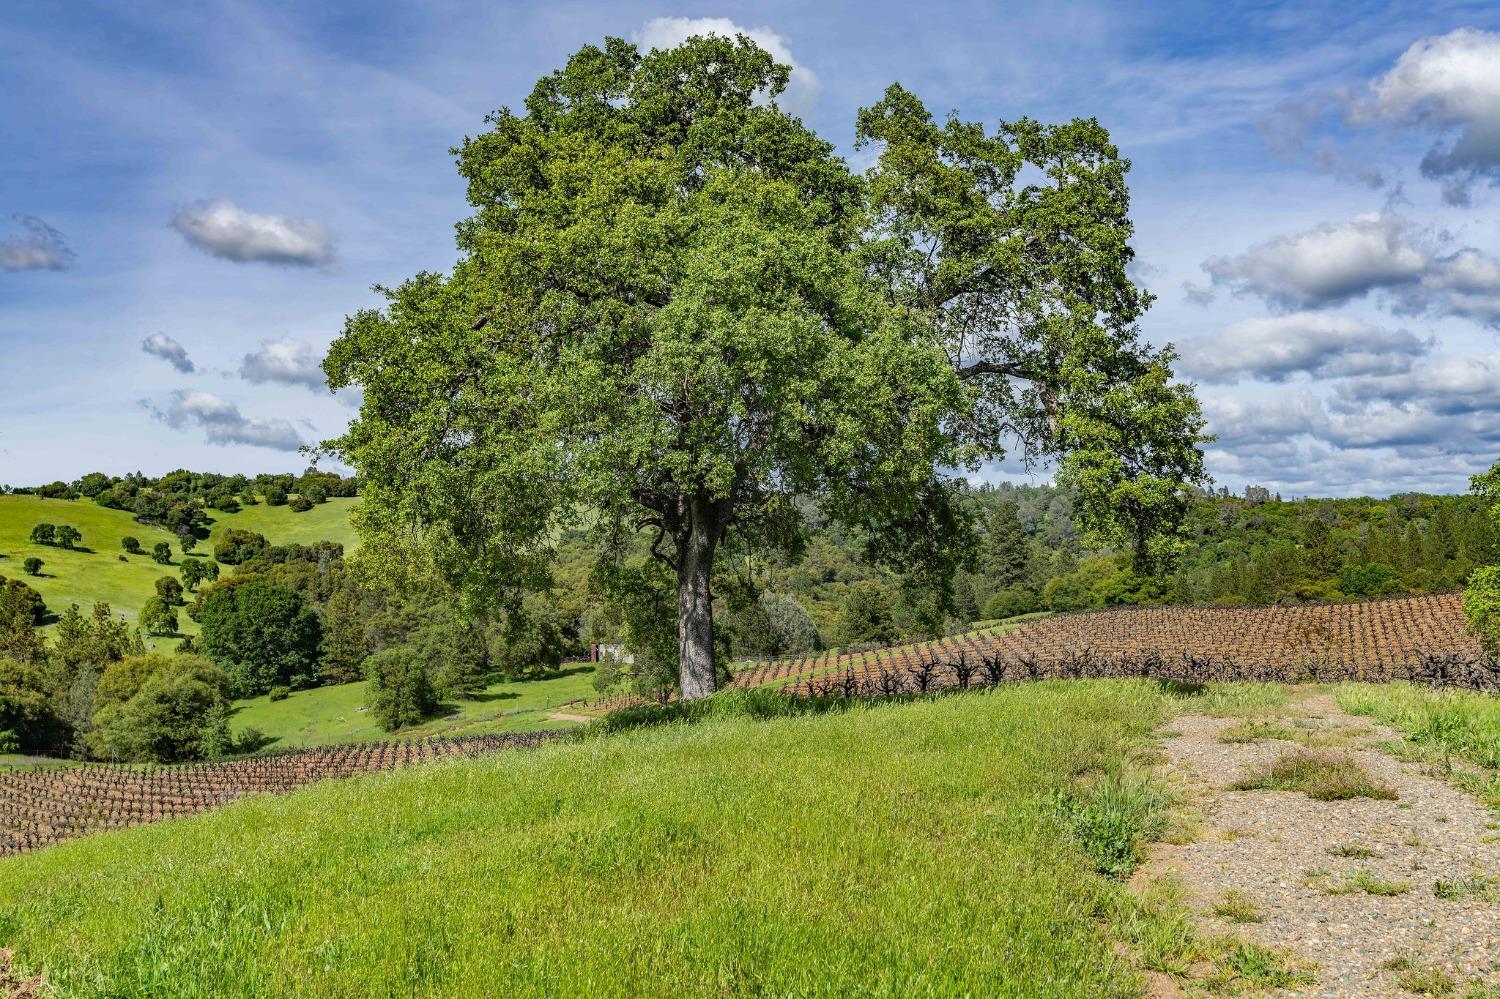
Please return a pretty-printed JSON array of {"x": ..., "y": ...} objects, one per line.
[
  {"x": 677, "y": 311},
  {"x": 1482, "y": 596},
  {"x": 163, "y": 709},
  {"x": 263, "y": 633},
  {"x": 401, "y": 690}
]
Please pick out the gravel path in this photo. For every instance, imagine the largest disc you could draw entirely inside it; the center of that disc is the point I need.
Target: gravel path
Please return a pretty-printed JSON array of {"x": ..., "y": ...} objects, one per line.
[{"x": 1282, "y": 851}]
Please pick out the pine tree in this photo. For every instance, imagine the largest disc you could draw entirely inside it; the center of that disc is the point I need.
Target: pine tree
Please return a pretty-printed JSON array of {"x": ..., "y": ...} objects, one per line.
[
  {"x": 345, "y": 645},
  {"x": 1006, "y": 549},
  {"x": 1320, "y": 550}
]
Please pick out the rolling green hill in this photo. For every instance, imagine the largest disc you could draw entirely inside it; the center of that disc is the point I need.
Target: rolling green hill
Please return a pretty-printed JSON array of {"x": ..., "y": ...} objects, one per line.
[
  {"x": 891, "y": 850},
  {"x": 281, "y": 526},
  {"x": 95, "y": 572}
]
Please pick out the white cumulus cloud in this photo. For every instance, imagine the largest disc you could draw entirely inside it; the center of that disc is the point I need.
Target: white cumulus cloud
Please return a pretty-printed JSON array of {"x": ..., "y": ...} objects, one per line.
[
  {"x": 1447, "y": 85},
  {"x": 223, "y": 229},
  {"x": 1327, "y": 265},
  {"x": 1381, "y": 253},
  {"x": 285, "y": 362}
]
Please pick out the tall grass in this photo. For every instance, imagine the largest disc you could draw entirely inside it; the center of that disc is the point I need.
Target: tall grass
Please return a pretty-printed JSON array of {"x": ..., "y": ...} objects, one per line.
[
  {"x": 891, "y": 850},
  {"x": 1449, "y": 724},
  {"x": 1456, "y": 722}
]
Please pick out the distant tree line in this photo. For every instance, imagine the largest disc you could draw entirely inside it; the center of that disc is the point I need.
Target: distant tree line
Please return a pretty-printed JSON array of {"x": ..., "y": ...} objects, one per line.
[{"x": 1254, "y": 548}]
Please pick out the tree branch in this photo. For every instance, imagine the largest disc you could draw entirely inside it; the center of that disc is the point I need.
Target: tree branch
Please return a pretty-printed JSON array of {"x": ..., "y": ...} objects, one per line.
[{"x": 993, "y": 368}]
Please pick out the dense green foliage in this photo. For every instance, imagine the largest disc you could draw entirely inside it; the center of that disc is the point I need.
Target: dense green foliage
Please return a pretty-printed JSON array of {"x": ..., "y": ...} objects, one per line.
[
  {"x": 236, "y": 546},
  {"x": 159, "y": 617},
  {"x": 163, "y": 709},
  {"x": 678, "y": 314},
  {"x": 1482, "y": 598},
  {"x": 262, "y": 632},
  {"x": 824, "y": 855},
  {"x": 401, "y": 690}
]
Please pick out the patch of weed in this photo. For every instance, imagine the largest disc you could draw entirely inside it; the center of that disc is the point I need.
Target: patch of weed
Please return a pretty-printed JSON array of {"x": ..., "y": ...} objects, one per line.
[
  {"x": 1321, "y": 775},
  {"x": 1238, "y": 907}
]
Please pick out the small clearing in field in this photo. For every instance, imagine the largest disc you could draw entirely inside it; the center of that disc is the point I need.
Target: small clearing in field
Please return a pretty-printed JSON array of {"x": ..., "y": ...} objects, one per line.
[{"x": 1390, "y": 884}]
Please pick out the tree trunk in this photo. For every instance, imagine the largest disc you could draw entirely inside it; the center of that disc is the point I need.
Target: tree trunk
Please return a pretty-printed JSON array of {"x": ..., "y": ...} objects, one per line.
[{"x": 696, "y": 543}]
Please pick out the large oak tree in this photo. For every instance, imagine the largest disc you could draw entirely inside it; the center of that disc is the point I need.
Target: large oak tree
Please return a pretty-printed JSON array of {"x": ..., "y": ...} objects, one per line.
[{"x": 676, "y": 311}]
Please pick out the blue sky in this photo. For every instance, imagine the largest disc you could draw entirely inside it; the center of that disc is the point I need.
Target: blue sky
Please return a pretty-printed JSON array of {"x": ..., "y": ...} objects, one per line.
[{"x": 192, "y": 197}]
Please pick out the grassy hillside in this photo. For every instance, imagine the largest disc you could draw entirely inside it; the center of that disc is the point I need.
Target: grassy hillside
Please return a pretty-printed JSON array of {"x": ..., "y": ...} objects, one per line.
[
  {"x": 281, "y": 526},
  {"x": 92, "y": 573},
  {"x": 97, "y": 573},
  {"x": 327, "y": 715},
  {"x": 896, "y": 850}
]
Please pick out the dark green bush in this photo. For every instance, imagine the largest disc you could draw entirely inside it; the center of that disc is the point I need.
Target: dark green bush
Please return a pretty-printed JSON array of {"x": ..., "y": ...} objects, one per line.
[{"x": 401, "y": 690}]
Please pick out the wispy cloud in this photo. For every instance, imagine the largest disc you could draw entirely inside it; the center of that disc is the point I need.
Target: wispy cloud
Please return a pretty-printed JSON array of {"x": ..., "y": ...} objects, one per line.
[
  {"x": 43, "y": 248},
  {"x": 223, "y": 423},
  {"x": 169, "y": 350}
]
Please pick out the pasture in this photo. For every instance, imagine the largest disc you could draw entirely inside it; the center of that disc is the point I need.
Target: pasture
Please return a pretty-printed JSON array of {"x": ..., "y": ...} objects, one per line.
[{"x": 816, "y": 854}]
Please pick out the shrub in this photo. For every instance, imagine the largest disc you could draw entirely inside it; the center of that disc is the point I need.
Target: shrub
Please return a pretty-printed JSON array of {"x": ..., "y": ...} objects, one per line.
[
  {"x": 275, "y": 496},
  {"x": 1369, "y": 580},
  {"x": 33, "y": 566},
  {"x": 1482, "y": 607},
  {"x": 1012, "y": 601},
  {"x": 301, "y": 504},
  {"x": 401, "y": 690},
  {"x": 262, "y": 632},
  {"x": 866, "y": 615},
  {"x": 131, "y": 545},
  {"x": 238, "y": 546},
  {"x": 280, "y": 693},
  {"x": 793, "y": 626},
  {"x": 18, "y": 599},
  {"x": 1111, "y": 817},
  {"x": 176, "y": 710}
]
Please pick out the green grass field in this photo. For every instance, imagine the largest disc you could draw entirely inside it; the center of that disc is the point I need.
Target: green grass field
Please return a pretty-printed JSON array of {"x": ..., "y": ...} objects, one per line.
[
  {"x": 282, "y": 526},
  {"x": 887, "y": 850},
  {"x": 86, "y": 576},
  {"x": 326, "y": 715}
]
